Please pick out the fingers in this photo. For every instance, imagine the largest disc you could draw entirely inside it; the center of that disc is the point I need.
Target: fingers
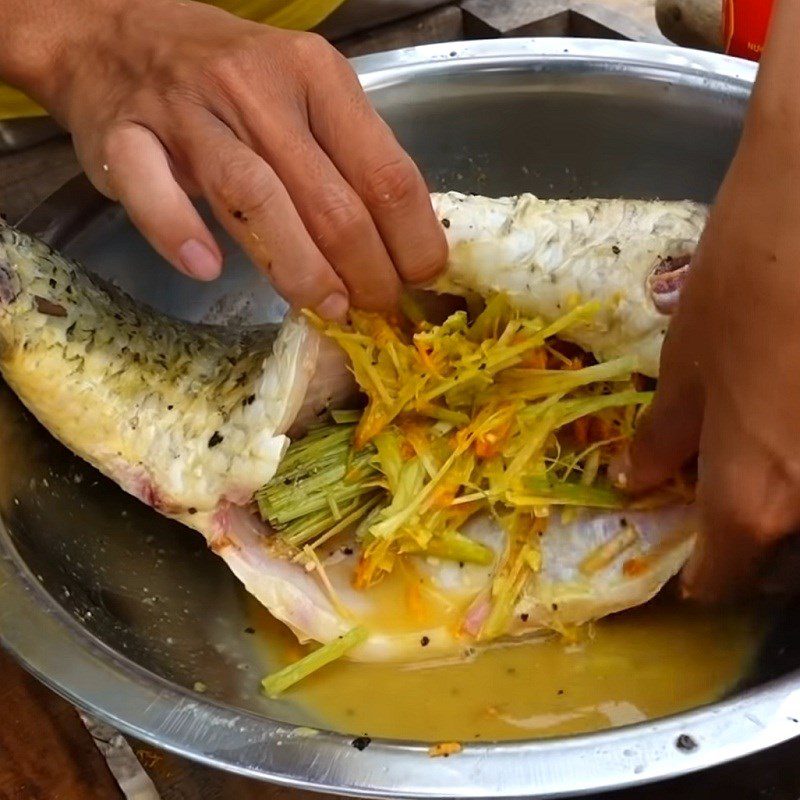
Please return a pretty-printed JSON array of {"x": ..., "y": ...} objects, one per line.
[
  {"x": 334, "y": 215},
  {"x": 666, "y": 436},
  {"x": 252, "y": 203},
  {"x": 366, "y": 153},
  {"x": 747, "y": 504},
  {"x": 135, "y": 170}
]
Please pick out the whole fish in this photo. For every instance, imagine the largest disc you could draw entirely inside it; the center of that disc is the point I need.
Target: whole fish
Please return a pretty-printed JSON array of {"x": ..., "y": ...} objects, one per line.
[{"x": 193, "y": 419}]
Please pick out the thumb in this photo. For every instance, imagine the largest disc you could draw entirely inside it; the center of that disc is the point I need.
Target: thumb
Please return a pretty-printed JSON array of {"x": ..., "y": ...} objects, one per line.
[{"x": 666, "y": 436}]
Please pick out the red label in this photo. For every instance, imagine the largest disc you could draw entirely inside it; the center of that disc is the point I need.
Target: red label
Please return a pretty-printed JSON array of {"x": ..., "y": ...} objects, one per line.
[{"x": 744, "y": 27}]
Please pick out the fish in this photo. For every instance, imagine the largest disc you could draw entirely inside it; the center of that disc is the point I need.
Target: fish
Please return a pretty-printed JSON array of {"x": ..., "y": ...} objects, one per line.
[
  {"x": 632, "y": 256},
  {"x": 193, "y": 419}
]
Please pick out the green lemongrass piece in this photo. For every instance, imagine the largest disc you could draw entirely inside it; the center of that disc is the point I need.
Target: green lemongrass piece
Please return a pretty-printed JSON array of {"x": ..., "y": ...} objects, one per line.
[
  {"x": 538, "y": 491},
  {"x": 578, "y": 314},
  {"x": 465, "y": 376},
  {"x": 344, "y": 416},
  {"x": 281, "y": 505},
  {"x": 405, "y": 500},
  {"x": 538, "y": 383},
  {"x": 570, "y": 410},
  {"x": 317, "y": 474},
  {"x": 277, "y": 683},
  {"x": 321, "y": 446},
  {"x": 576, "y": 458},
  {"x": 609, "y": 551},
  {"x": 496, "y": 309},
  {"x": 444, "y": 414},
  {"x": 322, "y": 525},
  {"x": 454, "y": 546},
  {"x": 590, "y": 468},
  {"x": 506, "y": 591},
  {"x": 397, "y": 517},
  {"x": 320, "y": 487},
  {"x": 361, "y": 511},
  {"x": 389, "y": 459}
]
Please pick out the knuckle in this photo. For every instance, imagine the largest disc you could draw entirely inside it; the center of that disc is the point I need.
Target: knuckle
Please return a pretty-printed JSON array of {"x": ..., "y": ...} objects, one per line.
[
  {"x": 244, "y": 186},
  {"x": 427, "y": 261},
  {"x": 761, "y": 523},
  {"x": 116, "y": 143},
  {"x": 340, "y": 219},
  {"x": 309, "y": 284},
  {"x": 311, "y": 48},
  {"x": 224, "y": 68},
  {"x": 385, "y": 297},
  {"x": 392, "y": 184}
]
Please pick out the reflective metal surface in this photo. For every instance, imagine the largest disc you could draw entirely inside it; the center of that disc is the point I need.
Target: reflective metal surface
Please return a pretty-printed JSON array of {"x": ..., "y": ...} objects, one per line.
[{"x": 123, "y": 612}]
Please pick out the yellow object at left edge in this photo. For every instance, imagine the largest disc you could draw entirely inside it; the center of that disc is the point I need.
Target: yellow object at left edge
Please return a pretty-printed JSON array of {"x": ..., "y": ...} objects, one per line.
[{"x": 299, "y": 15}]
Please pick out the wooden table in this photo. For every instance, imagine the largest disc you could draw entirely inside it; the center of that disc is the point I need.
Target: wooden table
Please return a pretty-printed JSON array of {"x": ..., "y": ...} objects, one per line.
[{"x": 46, "y": 752}]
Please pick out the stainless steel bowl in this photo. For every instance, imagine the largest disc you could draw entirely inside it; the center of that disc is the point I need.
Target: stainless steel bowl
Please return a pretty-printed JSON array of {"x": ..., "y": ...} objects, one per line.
[{"x": 121, "y": 611}]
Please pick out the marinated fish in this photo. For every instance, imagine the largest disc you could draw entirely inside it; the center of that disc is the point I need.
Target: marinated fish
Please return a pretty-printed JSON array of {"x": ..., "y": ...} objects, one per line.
[
  {"x": 194, "y": 420},
  {"x": 632, "y": 255}
]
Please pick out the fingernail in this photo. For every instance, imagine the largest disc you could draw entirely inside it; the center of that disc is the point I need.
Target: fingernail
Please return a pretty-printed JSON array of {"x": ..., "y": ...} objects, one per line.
[
  {"x": 334, "y": 306},
  {"x": 198, "y": 261},
  {"x": 619, "y": 469}
]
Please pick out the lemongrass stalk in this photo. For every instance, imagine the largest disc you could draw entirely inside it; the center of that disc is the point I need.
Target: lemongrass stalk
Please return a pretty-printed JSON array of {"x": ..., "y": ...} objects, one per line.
[{"x": 277, "y": 683}]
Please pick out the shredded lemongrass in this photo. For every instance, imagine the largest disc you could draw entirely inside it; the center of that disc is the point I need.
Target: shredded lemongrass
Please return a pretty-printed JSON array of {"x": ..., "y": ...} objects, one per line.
[
  {"x": 345, "y": 416},
  {"x": 603, "y": 555},
  {"x": 484, "y": 413},
  {"x": 313, "y": 559},
  {"x": 277, "y": 683}
]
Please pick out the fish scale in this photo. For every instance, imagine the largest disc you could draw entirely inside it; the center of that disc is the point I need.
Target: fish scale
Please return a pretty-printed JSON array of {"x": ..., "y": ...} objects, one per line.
[{"x": 84, "y": 356}]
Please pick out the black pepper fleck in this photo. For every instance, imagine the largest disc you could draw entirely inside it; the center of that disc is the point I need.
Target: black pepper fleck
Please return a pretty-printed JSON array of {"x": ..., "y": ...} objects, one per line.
[
  {"x": 348, "y": 551},
  {"x": 215, "y": 439},
  {"x": 425, "y": 641},
  {"x": 249, "y": 630},
  {"x": 49, "y": 308},
  {"x": 53, "y": 283},
  {"x": 560, "y": 691},
  {"x": 555, "y": 606},
  {"x": 686, "y": 744},
  {"x": 361, "y": 742},
  {"x": 446, "y": 222},
  {"x": 170, "y": 407},
  {"x": 192, "y": 510},
  {"x": 615, "y": 250},
  {"x": 239, "y": 215},
  {"x": 523, "y": 617}
]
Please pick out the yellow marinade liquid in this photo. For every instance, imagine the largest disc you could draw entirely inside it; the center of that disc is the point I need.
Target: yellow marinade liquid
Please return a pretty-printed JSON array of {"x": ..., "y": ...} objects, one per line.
[{"x": 657, "y": 660}]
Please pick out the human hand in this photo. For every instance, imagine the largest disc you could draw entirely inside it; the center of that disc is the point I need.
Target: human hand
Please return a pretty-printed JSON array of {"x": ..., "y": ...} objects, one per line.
[
  {"x": 729, "y": 386},
  {"x": 167, "y": 100}
]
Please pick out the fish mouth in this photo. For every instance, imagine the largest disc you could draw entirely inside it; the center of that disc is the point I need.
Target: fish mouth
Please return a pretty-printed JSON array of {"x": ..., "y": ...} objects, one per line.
[{"x": 666, "y": 280}]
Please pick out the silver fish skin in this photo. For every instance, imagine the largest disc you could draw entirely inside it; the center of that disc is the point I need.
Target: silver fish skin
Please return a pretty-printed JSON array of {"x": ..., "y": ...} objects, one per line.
[
  {"x": 630, "y": 255},
  {"x": 182, "y": 416}
]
